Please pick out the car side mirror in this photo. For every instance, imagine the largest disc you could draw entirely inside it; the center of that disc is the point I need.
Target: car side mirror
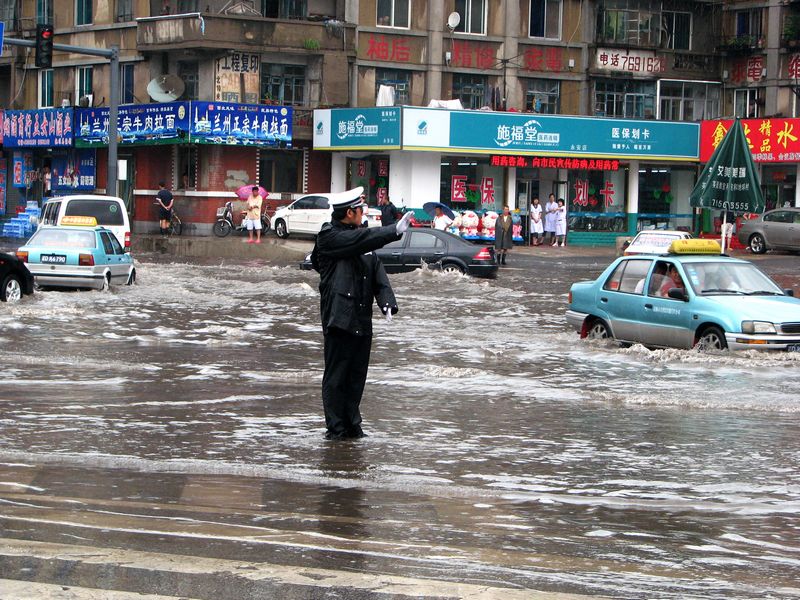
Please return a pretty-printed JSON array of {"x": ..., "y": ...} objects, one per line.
[
  {"x": 789, "y": 292},
  {"x": 678, "y": 294}
]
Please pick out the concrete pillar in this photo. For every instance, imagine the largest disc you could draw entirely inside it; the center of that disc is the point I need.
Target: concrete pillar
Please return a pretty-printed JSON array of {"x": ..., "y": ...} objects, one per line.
[
  {"x": 414, "y": 178},
  {"x": 511, "y": 91},
  {"x": 435, "y": 58},
  {"x": 773, "y": 45},
  {"x": 338, "y": 172},
  {"x": 511, "y": 188},
  {"x": 633, "y": 195}
]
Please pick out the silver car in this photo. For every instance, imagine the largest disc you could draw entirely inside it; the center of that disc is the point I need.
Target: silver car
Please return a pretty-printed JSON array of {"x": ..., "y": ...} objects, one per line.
[{"x": 779, "y": 228}]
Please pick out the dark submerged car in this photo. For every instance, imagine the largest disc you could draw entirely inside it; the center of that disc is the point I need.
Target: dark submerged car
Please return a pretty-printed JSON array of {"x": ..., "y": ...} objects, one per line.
[
  {"x": 15, "y": 278},
  {"x": 437, "y": 249}
]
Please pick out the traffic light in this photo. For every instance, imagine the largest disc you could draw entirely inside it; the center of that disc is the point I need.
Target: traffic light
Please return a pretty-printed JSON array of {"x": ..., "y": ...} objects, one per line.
[{"x": 44, "y": 46}]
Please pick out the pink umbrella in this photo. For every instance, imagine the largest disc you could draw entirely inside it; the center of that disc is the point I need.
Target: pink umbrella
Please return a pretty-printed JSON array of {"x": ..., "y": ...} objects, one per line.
[{"x": 244, "y": 191}]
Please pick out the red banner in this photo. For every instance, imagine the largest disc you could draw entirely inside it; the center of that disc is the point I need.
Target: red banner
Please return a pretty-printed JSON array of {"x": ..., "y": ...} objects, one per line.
[{"x": 770, "y": 140}]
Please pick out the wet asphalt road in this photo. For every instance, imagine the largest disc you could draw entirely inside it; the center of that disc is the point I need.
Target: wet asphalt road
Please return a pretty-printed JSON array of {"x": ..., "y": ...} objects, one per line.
[{"x": 180, "y": 418}]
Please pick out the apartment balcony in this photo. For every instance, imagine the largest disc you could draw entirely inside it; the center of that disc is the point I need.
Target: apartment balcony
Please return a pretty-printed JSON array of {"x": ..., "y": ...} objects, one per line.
[
  {"x": 202, "y": 31},
  {"x": 741, "y": 44}
]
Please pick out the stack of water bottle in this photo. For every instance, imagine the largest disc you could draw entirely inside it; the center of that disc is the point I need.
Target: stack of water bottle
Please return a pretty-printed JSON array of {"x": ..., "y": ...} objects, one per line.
[{"x": 24, "y": 224}]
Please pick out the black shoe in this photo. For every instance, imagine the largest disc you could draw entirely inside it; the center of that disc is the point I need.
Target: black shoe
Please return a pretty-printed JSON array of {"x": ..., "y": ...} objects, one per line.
[
  {"x": 356, "y": 434},
  {"x": 330, "y": 435}
]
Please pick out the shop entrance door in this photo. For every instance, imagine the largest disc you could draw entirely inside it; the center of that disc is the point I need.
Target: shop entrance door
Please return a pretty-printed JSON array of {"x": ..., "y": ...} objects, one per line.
[
  {"x": 527, "y": 190},
  {"x": 125, "y": 186}
]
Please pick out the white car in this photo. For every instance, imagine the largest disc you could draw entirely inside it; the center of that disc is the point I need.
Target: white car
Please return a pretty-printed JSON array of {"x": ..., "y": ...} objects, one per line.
[
  {"x": 654, "y": 241},
  {"x": 307, "y": 214},
  {"x": 109, "y": 212}
]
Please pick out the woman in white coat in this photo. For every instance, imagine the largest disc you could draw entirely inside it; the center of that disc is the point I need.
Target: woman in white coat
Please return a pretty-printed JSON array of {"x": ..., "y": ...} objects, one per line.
[
  {"x": 561, "y": 223},
  {"x": 550, "y": 218},
  {"x": 537, "y": 225}
]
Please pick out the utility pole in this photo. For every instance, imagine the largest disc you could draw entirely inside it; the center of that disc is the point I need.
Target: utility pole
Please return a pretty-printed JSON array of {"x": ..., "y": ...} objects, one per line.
[{"x": 113, "y": 103}]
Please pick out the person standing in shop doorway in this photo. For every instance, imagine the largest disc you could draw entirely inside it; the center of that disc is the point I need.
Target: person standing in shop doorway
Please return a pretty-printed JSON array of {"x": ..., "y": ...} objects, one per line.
[
  {"x": 537, "y": 226},
  {"x": 560, "y": 223},
  {"x": 550, "y": 219},
  {"x": 503, "y": 235},
  {"x": 164, "y": 201},
  {"x": 47, "y": 182}
]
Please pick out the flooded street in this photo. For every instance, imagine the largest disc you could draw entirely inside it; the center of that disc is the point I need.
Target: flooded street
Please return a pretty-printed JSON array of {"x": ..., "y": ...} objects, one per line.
[{"x": 502, "y": 450}]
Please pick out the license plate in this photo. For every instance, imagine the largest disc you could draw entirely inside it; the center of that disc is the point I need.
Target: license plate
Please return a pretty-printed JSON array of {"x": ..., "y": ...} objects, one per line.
[
  {"x": 54, "y": 259},
  {"x": 793, "y": 348}
]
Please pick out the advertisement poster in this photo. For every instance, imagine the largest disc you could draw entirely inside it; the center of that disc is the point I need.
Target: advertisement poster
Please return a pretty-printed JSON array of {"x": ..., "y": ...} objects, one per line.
[
  {"x": 44, "y": 128},
  {"x": 770, "y": 140},
  {"x": 237, "y": 72},
  {"x": 234, "y": 124},
  {"x": 3, "y": 167},
  {"x": 74, "y": 170},
  {"x": 23, "y": 169},
  {"x": 142, "y": 124}
]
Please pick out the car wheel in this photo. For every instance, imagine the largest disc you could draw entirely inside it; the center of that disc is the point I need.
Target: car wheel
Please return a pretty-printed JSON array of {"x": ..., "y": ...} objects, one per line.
[
  {"x": 598, "y": 330},
  {"x": 453, "y": 268},
  {"x": 757, "y": 244},
  {"x": 106, "y": 283},
  {"x": 712, "y": 339},
  {"x": 131, "y": 278},
  {"x": 11, "y": 290},
  {"x": 280, "y": 229},
  {"x": 222, "y": 228}
]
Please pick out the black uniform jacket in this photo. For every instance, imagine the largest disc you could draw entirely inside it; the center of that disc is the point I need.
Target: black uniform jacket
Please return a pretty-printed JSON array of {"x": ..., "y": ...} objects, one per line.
[{"x": 351, "y": 275}]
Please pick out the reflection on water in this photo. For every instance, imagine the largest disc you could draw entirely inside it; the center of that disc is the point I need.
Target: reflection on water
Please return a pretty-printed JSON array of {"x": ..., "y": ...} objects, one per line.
[{"x": 496, "y": 437}]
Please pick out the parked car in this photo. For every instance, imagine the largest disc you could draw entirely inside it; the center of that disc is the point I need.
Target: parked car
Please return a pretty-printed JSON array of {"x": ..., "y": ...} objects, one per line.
[
  {"x": 437, "y": 249},
  {"x": 654, "y": 241},
  {"x": 308, "y": 213},
  {"x": 724, "y": 303},
  {"x": 109, "y": 211},
  {"x": 77, "y": 256},
  {"x": 15, "y": 278},
  {"x": 775, "y": 229}
]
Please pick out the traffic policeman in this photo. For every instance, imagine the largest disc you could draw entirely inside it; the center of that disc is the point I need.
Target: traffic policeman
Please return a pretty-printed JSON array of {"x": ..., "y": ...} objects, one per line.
[{"x": 351, "y": 275}]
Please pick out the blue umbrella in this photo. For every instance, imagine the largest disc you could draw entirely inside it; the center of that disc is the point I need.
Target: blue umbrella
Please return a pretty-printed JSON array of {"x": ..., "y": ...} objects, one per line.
[{"x": 430, "y": 208}]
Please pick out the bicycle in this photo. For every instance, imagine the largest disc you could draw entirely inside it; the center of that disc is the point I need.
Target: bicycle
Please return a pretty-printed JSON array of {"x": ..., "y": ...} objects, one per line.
[{"x": 175, "y": 224}]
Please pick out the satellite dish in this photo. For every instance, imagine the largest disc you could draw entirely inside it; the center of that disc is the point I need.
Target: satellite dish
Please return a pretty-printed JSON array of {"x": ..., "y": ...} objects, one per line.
[
  {"x": 166, "y": 88},
  {"x": 453, "y": 20},
  {"x": 86, "y": 101}
]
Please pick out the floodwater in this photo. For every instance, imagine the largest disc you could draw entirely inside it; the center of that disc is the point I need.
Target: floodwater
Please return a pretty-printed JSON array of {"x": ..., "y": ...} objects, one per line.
[{"x": 502, "y": 450}]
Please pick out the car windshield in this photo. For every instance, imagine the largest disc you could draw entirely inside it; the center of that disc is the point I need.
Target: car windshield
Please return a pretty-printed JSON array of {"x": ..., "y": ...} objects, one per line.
[
  {"x": 63, "y": 238},
  {"x": 724, "y": 278}
]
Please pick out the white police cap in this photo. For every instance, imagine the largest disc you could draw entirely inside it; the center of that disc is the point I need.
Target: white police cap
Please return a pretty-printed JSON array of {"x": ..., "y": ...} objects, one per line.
[{"x": 349, "y": 199}]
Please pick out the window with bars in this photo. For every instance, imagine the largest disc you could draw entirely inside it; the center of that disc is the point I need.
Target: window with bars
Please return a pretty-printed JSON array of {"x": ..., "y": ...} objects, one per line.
[
  {"x": 676, "y": 30},
  {"x": 628, "y": 99},
  {"x": 188, "y": 71},
  {"x": 541, "y": 96},
  {"x": 284, "y": 9},
  {"x": 746, "y": 103},
  {"x": 545, "y": 19},
  {"x": 283, "y": 84},
  {"x": 126, "y": 84},
  {"x": 630, "y": 22},
  {"x": 83, "y": 12},
  {"x": 399, "y": 80},
  {"x": 46, "y": 88},
  {"x": 473, "y": 16},
  {"x": 8, "y": 14},
  {"x": 187, "y": 6},
  {"x": 124, "y": 11},
  {"x": 470, "y": 89},
  {"x": 689, "y": 101},
  {"x": 393, "y": 13},
  {"x": 83, "y": 81},
  {"x": 44, "y": 12}
]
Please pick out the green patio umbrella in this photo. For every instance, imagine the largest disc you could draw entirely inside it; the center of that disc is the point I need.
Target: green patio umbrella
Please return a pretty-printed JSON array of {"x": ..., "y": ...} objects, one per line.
[{"x": 729, "y": 182}]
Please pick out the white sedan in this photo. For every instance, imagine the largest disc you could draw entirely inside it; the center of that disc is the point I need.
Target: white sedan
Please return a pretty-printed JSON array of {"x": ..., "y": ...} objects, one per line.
[{"x": 307, "y": 215}]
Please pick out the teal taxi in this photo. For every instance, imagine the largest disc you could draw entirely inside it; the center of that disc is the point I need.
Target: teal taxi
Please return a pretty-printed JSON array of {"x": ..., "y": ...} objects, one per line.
[
  {"x": 689, "y": 297},
  {"x": 77, "y": 254}
]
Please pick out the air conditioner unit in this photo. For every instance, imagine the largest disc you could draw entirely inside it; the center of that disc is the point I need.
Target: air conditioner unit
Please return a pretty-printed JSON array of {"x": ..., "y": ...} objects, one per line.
[{"x": 86, "y": 101}]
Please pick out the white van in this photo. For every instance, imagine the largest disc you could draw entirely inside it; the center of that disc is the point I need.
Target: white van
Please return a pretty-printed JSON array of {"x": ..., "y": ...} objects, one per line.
[{"x": 109, "y": 211}]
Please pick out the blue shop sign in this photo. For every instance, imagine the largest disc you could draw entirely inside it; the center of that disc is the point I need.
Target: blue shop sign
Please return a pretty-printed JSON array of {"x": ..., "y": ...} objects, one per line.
[
  {"x": 141, "y": 124},
  {"x": 357, "y": 128},
  {"x": 74, "y": 170},
  {"x": 233, "y": 124},
  {"x": 42, "y": 128},
  {"x": 573, "y": 136}
]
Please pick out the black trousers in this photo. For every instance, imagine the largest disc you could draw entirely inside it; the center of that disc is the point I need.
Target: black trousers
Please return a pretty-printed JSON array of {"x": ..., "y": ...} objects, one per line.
[{"x": 346, "y": 364}]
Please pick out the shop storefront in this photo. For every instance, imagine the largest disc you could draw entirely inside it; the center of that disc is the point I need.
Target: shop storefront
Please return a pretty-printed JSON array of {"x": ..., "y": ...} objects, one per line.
[
  {"x": 616, "y": 176},
  {"x": 204, "y": 151}
]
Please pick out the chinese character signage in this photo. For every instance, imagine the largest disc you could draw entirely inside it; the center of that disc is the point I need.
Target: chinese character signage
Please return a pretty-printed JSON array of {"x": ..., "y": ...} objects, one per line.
[
  {"x": 44, "y": 128},
  {"x": 23, "y": 169},
  {"x": 473, "y": 55},
  {"x": 357, "y": 128},
  {"x": 458, "y": 188},
  {"x": 547, "y": 58},
  {"x": 231, "y": 124},
  {"x": 3, "y": 167},
  {"x": 391, "y": 48},
  {"x": 74, "y": 170},
  {"x": 235, "y": 70},
  {"x": 142, "y": 124},
  {"x": 551, "y": 162},
  {"x": 629, "y": 61},
  {"x": 1, "y": 127},
  {"x": 749, "y": 70},
  {"x": 769, "y": 140}
]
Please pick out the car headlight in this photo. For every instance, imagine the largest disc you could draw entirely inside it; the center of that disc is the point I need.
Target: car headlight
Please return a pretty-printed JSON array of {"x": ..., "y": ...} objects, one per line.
[{"x": 758, "y": 327}]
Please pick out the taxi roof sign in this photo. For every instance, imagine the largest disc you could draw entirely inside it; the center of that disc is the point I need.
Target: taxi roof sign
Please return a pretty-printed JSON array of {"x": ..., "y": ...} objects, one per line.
[
  {"x": 695, "y": 247},
  {"x": 79, "y": 220}
]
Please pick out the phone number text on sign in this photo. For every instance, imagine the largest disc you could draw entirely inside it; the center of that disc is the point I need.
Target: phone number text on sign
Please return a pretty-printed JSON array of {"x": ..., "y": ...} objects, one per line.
[{"x": 630, "y": 62}]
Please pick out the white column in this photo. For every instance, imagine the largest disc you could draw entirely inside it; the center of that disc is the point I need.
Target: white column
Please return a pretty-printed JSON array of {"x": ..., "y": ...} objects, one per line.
[
  {"x": 338, "y": 172},
  {"x": 633, "y": 187},
  {"x": 511, "y": 188}
]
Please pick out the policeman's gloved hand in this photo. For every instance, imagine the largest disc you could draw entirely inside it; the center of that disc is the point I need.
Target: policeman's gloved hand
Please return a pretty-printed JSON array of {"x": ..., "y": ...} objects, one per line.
[
  {"x": 388, "y": 311},
  {"x": 403, "y": 224}
]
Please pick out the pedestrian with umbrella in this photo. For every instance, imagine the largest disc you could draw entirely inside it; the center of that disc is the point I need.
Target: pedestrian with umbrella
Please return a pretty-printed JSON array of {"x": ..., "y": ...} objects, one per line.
[
  {"x": 252, "y": 220},
  {"x": 442, "y": 216}
]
